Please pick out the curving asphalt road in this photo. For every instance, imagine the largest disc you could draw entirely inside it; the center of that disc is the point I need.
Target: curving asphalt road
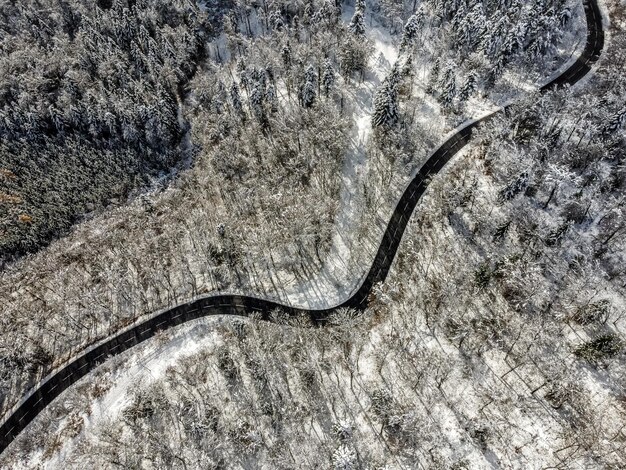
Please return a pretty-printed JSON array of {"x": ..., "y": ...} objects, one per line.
[{"x": 25, "y": 411}]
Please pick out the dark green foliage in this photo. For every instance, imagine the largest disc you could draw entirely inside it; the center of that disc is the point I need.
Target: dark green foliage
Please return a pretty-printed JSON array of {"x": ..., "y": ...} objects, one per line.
[
  {"x": 514, "y": 188},
  {"x": 227, "y": 365},
  {"x": 382, "y": 402},
  {"x": 481, "y": 436},
  {"x": 526, "y": 127},
  {"x": 501, "y": 231},
  {"x": 556, "y": 235},
  {"x": 144, "y": 406},
  {"x": 386, "y": 113},
  {"x": 353, "y": 54},
  {"x": 48, "y": 194}
]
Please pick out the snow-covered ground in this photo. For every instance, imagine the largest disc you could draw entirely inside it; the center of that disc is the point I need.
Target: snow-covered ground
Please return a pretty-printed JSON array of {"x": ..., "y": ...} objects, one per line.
[
  {"x": 344, "y": 266},
  {"x": 336, "y": 280},
  {"x": 350, "y": 257},
  {"x": 146, "y": 363}
]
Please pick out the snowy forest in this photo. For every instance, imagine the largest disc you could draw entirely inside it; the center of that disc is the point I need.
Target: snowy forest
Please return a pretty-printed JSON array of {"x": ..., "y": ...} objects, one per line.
[{"x": 155, "y": 152}]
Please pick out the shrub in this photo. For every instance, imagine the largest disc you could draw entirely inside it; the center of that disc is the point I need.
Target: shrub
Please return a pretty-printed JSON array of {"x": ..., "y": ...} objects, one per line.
[
  {"x": 604, "y": 347},
  {"x": 482, "y": 275},
  {"x": 597, "y": 312}
]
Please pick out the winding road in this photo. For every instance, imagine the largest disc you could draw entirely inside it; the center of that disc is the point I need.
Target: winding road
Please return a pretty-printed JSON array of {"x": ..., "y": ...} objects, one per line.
[{"x": 51, "y": 387}]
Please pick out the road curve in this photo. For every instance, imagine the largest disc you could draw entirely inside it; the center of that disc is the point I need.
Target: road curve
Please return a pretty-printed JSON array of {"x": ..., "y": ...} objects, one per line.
[{"x": 27, "y": 409}]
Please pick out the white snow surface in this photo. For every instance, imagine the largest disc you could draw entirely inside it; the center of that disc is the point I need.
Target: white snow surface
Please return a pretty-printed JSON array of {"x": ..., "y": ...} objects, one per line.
[
  {"x": 333, "y": 284},
  {"x": 140, "y": 366},
  {"x": 348, "y": 260}
]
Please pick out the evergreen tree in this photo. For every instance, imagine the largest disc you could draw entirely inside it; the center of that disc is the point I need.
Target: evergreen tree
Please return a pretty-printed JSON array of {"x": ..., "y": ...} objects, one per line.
[
  {"x": 494, "y": 37},
  {"x": 286, "y": 55},
  {"x": 411, "y": 30},
  {"x": 434, "y": 77},
  {"x": 220, "y": 97},
  {"x": 408, "y": 67},
  {"x": 353, "y": 54},
  {"x": 615, "y": 123},
  {"x": 310, "y": 75},
  {"x": 271, "y": 98},
  {"x": 309, "y": 89},
  {"x": 472, "y": 28},
  {"x": 357, "y": 23},
  {"x": 328, "y": 13},
  {"x": 468, "y": 88},
  {"x": 328, "y": 78},
  {"x": 235, "y": 98},
  {"x": 447, "y": 86},
  {"x": 257, "y": 98},
  {"x": 386, "y": 113},
  {"x": 260, "y": 76},
  {"x": 459, "y": 16},
  {"x": 565, "y": 17},
  {"x": 394, "y": 76},
  {"x": 276, "y": 20},
  {"x": 515, "y": 39},
  {"x": 496, "y": 71},
  {"x": 243, "y": 74}
]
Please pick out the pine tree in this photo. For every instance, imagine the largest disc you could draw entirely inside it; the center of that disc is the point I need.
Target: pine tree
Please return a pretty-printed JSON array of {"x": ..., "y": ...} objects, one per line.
[
  {"x": 328, "y": 78},
  {"x": 515, "y": 38},
  {"x": 271, "y": 98},
  {"x": 220, "y": 97},
  {"x": 308, "y": 95},
  {"x": 243, "y": 73},
  {"x": 565, "y": 17},
  {"x": 235, "y": 98},
  {"x": 472, "y": 28},
  {"x": 260, "y": 76},
  {"x": 328, "y": 13},
  {"x": 434, "y": 77},
  {"x": 357, "y": 23},
  {"x": 496, "y": 71},
  {"x": 468, "y": 88},
  {"x": 459, "y": 16},
  {"x": 344, "y": 458},
  {"x": 408, "y": 68},
  {"x": 353, "y": 55},
  {"x": 276, "y": 19},
  {"x": 118, "y": 6},
  {"x": 385, "y": 113},
  {"x": 394, "y": 76},
  {"x": 286, "y": 55},
  {"x": 309, "y": 89},
  {"x": 411, "y": 30},
  {"x": 310, "y": 75},
  {"x": 615, "y": 123},
  {"x": 257, "y": 97},
  {"x": 447, "y": 86}
]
